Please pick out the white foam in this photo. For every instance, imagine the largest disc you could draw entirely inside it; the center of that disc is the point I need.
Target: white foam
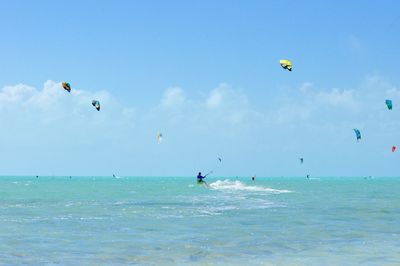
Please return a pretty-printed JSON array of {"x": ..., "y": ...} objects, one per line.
[{"x": 239, "y": 186}]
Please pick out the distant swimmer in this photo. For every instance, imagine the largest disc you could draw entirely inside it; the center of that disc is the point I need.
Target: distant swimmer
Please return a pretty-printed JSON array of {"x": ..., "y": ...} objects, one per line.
[
  {"x": 253, "y": 177},
  {"x": 37, "y": 176}
]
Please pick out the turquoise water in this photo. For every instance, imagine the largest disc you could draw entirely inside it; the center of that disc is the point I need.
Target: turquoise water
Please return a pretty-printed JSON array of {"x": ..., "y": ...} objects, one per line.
[{"x": 173, "y": 221}]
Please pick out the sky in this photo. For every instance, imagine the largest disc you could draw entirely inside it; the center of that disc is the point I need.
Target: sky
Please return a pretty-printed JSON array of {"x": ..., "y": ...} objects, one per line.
[{"x": 206, "y": 75}]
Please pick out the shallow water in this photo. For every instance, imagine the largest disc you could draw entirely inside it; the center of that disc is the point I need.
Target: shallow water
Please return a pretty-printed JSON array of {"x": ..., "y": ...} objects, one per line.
[{"x": 172, "y": 221}]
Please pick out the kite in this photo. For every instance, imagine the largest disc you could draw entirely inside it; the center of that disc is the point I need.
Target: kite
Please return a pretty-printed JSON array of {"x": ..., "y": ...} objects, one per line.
[
  {"x": 358, "y": 134},
  {"x": 159, "y": 137},
  {"x": 96, "y": 104},
  {"x": 286, "y": 64},
  {"x": 389, "y": 104},
  {"x": 66, "y": 86}
]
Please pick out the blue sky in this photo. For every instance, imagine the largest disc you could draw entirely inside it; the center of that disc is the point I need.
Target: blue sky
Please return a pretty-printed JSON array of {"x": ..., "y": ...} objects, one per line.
[{"x": 206, "y": 74}]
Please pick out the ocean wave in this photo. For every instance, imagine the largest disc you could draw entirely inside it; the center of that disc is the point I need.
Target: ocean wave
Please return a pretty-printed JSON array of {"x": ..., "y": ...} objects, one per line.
[{"x": 239, "y": 186}]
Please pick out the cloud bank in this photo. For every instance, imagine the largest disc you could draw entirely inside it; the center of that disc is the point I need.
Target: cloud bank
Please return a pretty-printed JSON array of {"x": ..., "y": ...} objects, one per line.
[{"x": 49, "y": 131}]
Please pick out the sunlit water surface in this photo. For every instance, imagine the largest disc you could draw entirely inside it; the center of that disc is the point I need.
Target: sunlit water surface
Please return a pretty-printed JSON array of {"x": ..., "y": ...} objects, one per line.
[{"x": 174, "y": 221}]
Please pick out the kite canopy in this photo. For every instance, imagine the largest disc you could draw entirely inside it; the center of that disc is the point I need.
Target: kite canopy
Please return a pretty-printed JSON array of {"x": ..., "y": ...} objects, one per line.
[
  {"x": 358, "y": 134},
  {"x": 286, "y": 64},
  {"x": 301, "y": 160},
  {"x": 393, "y": 148},
  {"x": 66, "y": 86},
  {"x": 96, "y": 104},
  {"x": 159, "y": 138},
  {"x": 219, "y": 159},
  {"x": 389, "y": 104}
]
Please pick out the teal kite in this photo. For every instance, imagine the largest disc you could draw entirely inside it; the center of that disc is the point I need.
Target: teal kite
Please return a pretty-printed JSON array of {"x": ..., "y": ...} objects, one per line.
[
  {"x": 389, "y": 104},
  {"x": 358, "y": 134}
]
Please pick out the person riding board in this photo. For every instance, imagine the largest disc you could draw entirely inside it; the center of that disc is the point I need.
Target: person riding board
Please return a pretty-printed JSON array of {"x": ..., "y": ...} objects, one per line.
[{"x": 200, "y": 178}]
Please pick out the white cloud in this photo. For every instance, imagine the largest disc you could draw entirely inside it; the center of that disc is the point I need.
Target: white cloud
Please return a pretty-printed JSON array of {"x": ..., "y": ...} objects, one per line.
[
  {"x": 52, "y": 104},
  {"x": 288, "y": 114},
  {"x": 214, "y": 100},
  {"x": 336, "y": 98},
  {"x": 306, "y": 87},
  {"x": 173, "y": 97},
  {"x": 15, "y": 94},
  {"x": 312, "y": 106},
  {"x": 221, "y": 105},
  {"x": 50, "y": 97},
  {"x": 228, "y": 105},
  {"x": 376, "y": 88},
  {"x": 224, "y": 95},
  {"x": 52, "y": 120}
]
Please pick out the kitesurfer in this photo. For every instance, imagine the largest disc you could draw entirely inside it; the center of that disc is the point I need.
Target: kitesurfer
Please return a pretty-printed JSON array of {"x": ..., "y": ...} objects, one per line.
[
  {"x": 200, "y": 178},
  {"x": 253, "y": 177}
]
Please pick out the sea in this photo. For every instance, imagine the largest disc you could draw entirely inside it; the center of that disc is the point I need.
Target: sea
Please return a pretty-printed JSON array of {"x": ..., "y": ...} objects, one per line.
[{"x": 175, "y": 221}]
